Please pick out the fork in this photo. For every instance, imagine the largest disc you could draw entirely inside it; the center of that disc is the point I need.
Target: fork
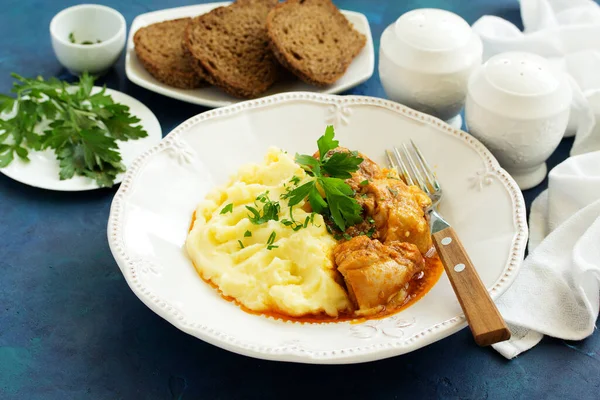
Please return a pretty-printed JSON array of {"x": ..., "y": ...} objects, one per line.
[{"x": 483, "y": 317}]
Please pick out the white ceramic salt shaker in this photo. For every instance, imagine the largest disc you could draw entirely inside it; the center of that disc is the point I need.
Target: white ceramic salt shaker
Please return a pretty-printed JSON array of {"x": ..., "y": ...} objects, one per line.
[
  {"x": 518, "y": 106},
  {"x": 425, "y": 60}
]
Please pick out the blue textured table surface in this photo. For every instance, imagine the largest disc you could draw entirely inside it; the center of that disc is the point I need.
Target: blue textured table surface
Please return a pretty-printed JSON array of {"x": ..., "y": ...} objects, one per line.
[{"x": 70, "y": 328}]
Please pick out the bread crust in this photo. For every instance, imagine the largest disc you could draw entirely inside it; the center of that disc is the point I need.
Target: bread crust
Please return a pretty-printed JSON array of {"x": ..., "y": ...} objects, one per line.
[
  {"x": 278, "y": 44},
  {"x": 184, "y": 77},
  {"x": 206, "y": 60}
]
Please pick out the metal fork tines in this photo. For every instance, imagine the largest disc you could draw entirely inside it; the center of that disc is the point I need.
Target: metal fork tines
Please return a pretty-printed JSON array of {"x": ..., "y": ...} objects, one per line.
[{"x": 414, "y": 170}]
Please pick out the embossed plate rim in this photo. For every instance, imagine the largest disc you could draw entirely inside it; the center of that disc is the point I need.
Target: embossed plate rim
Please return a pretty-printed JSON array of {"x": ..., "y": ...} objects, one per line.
[{"x": 294, "y": 351}]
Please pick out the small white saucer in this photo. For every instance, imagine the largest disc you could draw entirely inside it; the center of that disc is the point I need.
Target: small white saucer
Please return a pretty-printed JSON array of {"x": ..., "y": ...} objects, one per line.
[{"x": 43, "y": 168}]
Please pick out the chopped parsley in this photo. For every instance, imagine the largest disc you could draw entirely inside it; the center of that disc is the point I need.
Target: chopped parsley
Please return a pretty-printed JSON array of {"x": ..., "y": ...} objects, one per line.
[
  {"x": 287, "y": 193},
  {"x": 364, "y": 183},
  {"x": 296, "y": 226},
  {"x": 72, "y": 40},
  {"x": 247, "y": 234},
  {"x": 241, "y": 244},
  {"x": 270, "y": 210},
  {"x": 227, "y": 209},
  {"x": 312, "y": 219},
  {"x": 271, "y": 240}
]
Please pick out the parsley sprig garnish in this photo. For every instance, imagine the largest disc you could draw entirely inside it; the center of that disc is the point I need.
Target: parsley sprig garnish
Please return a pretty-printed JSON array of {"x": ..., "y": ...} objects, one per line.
[
  {"x": 329, "y": 172},
  {"x": 83, "y": 131}
]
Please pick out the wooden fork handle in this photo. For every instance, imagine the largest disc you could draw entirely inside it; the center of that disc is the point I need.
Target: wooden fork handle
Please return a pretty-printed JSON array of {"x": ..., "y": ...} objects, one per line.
[{"x": 485, "y": 321}]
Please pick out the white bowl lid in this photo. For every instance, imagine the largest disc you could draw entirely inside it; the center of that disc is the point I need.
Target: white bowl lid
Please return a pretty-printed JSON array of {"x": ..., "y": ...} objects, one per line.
[
  {"x": 521, "y": 73},
  {"x": 433, "y": 29},
  {"x": 520, "y": 85}
]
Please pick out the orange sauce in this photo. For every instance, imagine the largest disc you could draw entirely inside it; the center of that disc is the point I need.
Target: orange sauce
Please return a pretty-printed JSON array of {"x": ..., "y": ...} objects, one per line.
[
  {"x": 192, "y": 221},
  {"x": 416, "y": 290}
]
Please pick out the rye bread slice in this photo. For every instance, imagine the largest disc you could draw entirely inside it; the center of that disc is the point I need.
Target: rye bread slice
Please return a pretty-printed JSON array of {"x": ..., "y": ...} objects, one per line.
[
  {"x": 159, "y": 47},
  {"x": 230, "y": 47},
  {"x": 313, "y": 39}
]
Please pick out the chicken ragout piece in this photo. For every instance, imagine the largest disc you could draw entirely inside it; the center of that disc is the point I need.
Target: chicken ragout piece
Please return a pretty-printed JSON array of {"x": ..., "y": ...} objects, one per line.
[
  {"x": 380, "y": 257},
  {"x": 377, "y": 275}
]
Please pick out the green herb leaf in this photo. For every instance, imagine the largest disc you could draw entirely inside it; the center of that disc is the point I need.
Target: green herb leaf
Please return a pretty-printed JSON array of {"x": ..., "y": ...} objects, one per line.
[
  {"x": 120, "y": 123},
  {"x": 312, "y": 217},
  {"x": 255, "y": 215},
  {"x": 22, "y": 152},
  {"x": 340, "y": 165},
  {"x": 326, "y": 142},
  {"x": 247, "y": 234},
  {"x": 7, "y": 103},
  {"x": 241, "y": 244},
  {"x": 306, "y": 221},
  {"x": 364, "y": 183},
  {"x": 345, "y": 210},
  {"x": 298, "y": 194},
  {"x": 227, "y": 209},
  {"x": 271, "y": 240},
  {"x": 270, "y": 210},
  {"x": 6, "y": 158},
  {"x": 311, "y": 165},
  {"x": 317, "y": 202}
]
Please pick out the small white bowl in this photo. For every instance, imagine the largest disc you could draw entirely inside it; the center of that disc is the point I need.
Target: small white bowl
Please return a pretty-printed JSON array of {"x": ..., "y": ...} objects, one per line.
[
  {"x": 88, "y": 22},
  {"x": 518, "y": 106},
  {"x": 425, "y": 60}
]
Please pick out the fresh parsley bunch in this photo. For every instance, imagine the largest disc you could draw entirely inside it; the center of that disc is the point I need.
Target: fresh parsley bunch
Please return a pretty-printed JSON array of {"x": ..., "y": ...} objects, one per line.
[
  {"x": 329, "y": 172},
  {"x": 82, "y": 128}
]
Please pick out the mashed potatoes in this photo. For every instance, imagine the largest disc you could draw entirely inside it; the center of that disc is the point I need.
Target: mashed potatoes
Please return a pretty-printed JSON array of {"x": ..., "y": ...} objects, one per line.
[{"x": 269, "y": 266}]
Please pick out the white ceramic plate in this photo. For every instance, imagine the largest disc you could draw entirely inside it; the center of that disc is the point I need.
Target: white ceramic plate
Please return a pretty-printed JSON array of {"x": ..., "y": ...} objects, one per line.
[
  {"x": 359, "y": 71},
  {"x": 151, "y": 213},
  {"x": 43, "y": 168}
]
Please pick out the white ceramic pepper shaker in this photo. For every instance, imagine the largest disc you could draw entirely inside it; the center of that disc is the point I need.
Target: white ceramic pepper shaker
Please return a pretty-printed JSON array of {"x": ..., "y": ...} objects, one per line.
[
  {"x": 425, "y": 60},
  {"x": 518, "y": 107}
]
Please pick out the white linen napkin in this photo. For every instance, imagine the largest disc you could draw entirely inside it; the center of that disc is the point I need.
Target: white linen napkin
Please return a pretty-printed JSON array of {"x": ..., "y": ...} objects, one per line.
[
  {"x": 558, "y": 288},
  {"x": 557, "y": 291},
  {"x": 567, "y": 33}
]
